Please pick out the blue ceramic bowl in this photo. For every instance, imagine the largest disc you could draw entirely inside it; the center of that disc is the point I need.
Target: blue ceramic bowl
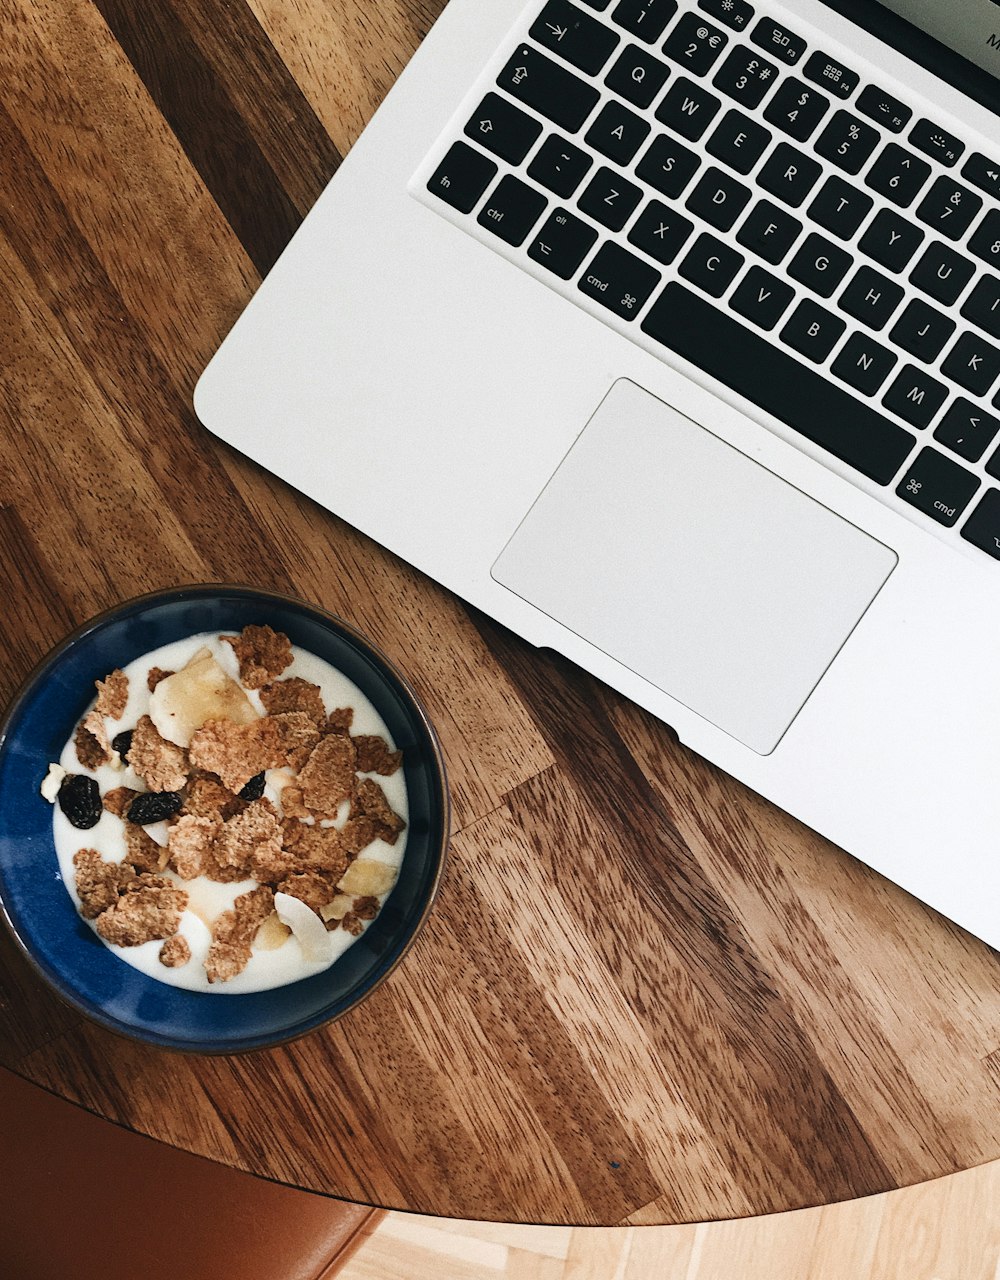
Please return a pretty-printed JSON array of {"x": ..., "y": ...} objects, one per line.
[{"x": 39, "y": 910}]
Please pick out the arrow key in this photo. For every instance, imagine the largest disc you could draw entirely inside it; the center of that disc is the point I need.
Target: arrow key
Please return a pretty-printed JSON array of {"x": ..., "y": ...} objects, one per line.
[
  {"x": 967, "y": 430},
  {"x": 500, "y": 127},
  {"x": 562, "y": 243}
]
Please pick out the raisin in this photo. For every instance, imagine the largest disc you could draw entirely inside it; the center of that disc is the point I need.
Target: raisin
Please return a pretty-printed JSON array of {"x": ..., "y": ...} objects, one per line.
[
  {"x": 254, "y": 789},
  {"x": 122, "y": 743},
  {"x": 80, "y": 800},
  {"x": 153, "y": 806}
]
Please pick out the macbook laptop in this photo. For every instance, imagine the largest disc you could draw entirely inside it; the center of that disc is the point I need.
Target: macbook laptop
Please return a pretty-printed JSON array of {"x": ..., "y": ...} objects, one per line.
[{"x": 667, "y": 332}]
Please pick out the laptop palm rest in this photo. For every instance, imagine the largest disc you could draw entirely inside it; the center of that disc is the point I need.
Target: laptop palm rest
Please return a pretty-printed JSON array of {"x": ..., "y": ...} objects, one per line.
[{"x": 694, "y": 566}]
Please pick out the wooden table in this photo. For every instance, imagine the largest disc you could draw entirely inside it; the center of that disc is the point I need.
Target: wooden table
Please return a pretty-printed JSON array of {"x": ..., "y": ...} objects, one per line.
[{"x": 644, "y": 995}]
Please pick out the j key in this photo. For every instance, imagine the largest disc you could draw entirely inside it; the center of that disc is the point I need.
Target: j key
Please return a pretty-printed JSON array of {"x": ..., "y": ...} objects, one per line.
[
  {"x": 559, "y": 166},
  {"x": 667, "y": 165},
  {"x": 688, "y": 109},
  {"x": 847, "y": 141},
  {"x": 637, "y": 76},
  {"x": 769, "y": 231},
  {"x": 870, "y": 297},
  {"x": 797, "y": 395},
  {"x": 789, "y": 175},
  {"x": 840, "y": 208},
  {"x": 982, "y": 528},
  {"x": 462, "y": 177},
  {"x": 574, "y": 35},
  {"x": 983, "y": 173},
  {"x": 738, "y": 141},
  {"x": 973, "y": 364},
  {"x": 813, "y": 332},
  {"x": 550, "y": 89},
  {"x": 949, "y": 208},
  {"x": 512, "y": 210},
  {"x": 718, "y": 199},
  {"x": 937, "y": 486},
  {"x": 831, "y": 75},
  {"x": 660, "y": 231},
  {"x": 898, "y": 175},
  {"x": 982, "y": 306},
  {"x": 500, "y": 127},
  {"x": 863, "y": 364},
  {"x": 883, "y": 108},
  {"x": 617, "y": 133},
  {"x": 711, "y": 265},
  {"x": 562, "y": 243},
  {"x": 891, "y": 240},
  {"x": 778, "y": 41},
  {"x": 734, "y": 13},
  {"x": 609, "y": 199},
  {"x": 985, "y": 240},
  {"x": 796, "y": 109},
  {"x": 922, "y": 331},
  {"x": 967, "y": 430},
  {"x": 646, "y": 19},
  {"x": 820, "y": 265},
  {"x": 619, "y": 281},
  {"x": 761, "y": 297},
  {"x": 942, "y": 273},
  {"x": 915, "y": 396},
  {"x": 695, "y": 44},
  {"x": 936, "y": 142},
  {"x": 746, "y": 77}
]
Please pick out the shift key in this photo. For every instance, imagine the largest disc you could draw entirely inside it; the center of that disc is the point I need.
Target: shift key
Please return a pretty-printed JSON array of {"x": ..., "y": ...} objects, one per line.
[{"x": 548, "y": 88}]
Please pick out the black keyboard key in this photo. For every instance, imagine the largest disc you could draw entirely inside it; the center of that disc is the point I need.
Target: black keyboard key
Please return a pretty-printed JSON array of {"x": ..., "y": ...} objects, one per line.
[
  {"x": 599, "y": 5},
  {"x": 688, "y": 109},
  {"x": 619, "y": 281},
  {"x": 734, "y": 13},
  {"x": 695, "y": 44},
  {"x": 983, "y": 173},
  {"x": 922, "y": 331},
  {"x": 797, "y": 395},
  {"x": 637, "y": 76},
  {"x": 831, "y": 75},
  {"x": 949, "y": 208},
  {"x": 973, "y": 363},
  {"x": 500, "y": 127},
  {"x": 512, "y": 210},
  {"x": 738, "y": 141},
  {"x": 982, "y": 528},
  {"x": 985, "y": 240},
  {"x": 883, "y": 108},
  {"x": 769, "y": 231},
  {"x": 915, "y": 396},
  {"x": 820, "y": 265},
  {"x": 936, "y": 142},
  {"x": 762, "y": 298},
  {"x": 711, "y": 265},
  {"x": 871, "y": 298},
  {"x": 462, "y": 177},
  {"x": 967, "y": 430},
  {"x": 982, "y": 306},
  {"x": 609, "y": 198},
  {"x": 746, "y": 76},
  {"x": 863, "y": 364},
  {"x": 718, "y": 199},
  {"x": 942, "y": 273},
  {"x": 898, "y": 175},
  {"x": 813, "y": 332},
  {"x": 789, "y": 174},
  {"x": 617, "y": 133},
  {"x": 562, "y": 243},
  {"x": 660, "y": 231},
  {"x": 668, "y": 166},
  {"x": 891, "y": 240},
  {"x": 646, "y": 19},
  {"x": 559, "y": 165},
  {"x": 796, "y": 109},
  {"x": 549, "y": 89},
  {"x": 840, "y": 208},
  {"x": 937, "y": 486},
  {"x": 847, "y": 142},
  {"x": 778, "y": 41},
  {"x": 574, "y": 35}
]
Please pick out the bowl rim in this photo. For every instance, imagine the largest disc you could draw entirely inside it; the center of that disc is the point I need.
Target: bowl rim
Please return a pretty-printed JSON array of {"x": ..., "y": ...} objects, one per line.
[{"x": 264, "y": 596}]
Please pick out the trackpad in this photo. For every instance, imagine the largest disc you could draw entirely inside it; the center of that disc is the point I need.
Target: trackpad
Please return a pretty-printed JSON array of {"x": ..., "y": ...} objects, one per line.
[{"x": 694, "y": 566}]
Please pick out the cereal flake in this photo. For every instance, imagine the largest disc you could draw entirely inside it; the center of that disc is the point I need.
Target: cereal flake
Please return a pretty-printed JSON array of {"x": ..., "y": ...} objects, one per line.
[
  {"x": 237, "y": 752},
  {"x": 112, "y": 694},
  {"x": 327, "y": 777},
  {"x": 175, "y": 952},
  {"x": 149, "y": 908},
  {"x": 93, "y": 746},
  {"x": 262, "y": 653},
  {"x": 294, "y": 694},
  {"x": 98, "y": 883},
  {"x": 162, "y": 765}
]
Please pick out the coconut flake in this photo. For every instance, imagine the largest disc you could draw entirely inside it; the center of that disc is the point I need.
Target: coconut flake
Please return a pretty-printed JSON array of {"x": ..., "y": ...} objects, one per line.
[{"x": 316, "y": 943}]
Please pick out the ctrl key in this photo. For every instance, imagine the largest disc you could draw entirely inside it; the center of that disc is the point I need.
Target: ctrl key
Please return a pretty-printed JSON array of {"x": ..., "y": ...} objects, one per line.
[
  {"x": 982, "y": 528},
  {"x": 937, "y": 486},
  {"x": 462, "y": 177}
]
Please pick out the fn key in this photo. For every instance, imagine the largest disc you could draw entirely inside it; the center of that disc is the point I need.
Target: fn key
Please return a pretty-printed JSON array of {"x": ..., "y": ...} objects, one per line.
[{"x": 462, "y": 177}]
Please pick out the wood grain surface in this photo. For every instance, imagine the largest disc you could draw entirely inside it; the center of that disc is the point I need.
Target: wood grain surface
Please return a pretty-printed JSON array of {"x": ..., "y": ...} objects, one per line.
[{"x": 645, "y": 996}]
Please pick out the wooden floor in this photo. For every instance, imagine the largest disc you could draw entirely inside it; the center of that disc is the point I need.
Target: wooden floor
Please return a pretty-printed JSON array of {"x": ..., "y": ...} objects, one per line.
[{"x": 948, "y": 1229}]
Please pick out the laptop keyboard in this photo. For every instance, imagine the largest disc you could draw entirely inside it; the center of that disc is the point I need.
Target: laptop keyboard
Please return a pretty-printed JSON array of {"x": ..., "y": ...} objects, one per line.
[{"x": 765, "y": 211}]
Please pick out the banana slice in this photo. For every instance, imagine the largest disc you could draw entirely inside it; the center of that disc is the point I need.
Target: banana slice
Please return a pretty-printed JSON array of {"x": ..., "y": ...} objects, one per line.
[
  {"x": 367, "y": 878},
  {"x": 316, "y": 943},
  {"x": 180, "y": 704}
]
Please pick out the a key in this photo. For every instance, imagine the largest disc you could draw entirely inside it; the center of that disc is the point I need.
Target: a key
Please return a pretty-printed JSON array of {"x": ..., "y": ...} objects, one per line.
[
  {"x": 942, "y": 273},
  {"x": 718, "y": 199},
  {"x": 738, "y": 141},
  {"x": 915, "y": 396},
  {"x": 619, "y": 281},
  {"x": 831, "y": 75},
  {"x": 922, "y": 331},
  {"x": 982, "y": 528},
  {"x": 973, "y": 363},
  {"x": 667, "y": 165},
  {"x": 688, "y": 109},
  {"x": 559, "y": 165},
  {"x": 820, "y": 265},
  {"x": 778, "y": 41},
  {"x": 617, "y": 133},
  {"x": 761, "y": 297},
  {"x": 547, "y": 88},
  {"x": 937, "y": 486},
  {"x": 512, "y": 210},
  {"x": 839, "y": 207},
  {"x": 891, "y": 240},
  {"x": 936, "y": 142},
  {"x": 883, "y": 108},
  {"x": 813, "y": 332},
  {"x": 695, "y": 44},
  {"x": 609, "y": 198},
  {"x": 789, "y": 174},
  {"x": 898, "y": 175},
  {"x": 574, "y": 35},
  {"x": 646, "y": 19},
  {"x": 847, "y": 142},
  {"x": 985, "y": 240},
  {"x": 462, "y": 177},
  {"x": 769, "y": 231},
  {"x": 863, "y": 364},
  {"x": 871, "y": 297},
  {"x": 660, "y": 231},
  {"x": 734, "y": 13},
  {"x": 982, "y": 306},
  {"x": 967, "y": 430},
  {"x": 562, "y": 243},
  {"x": 746, "y": 76},
  {"x": 500, "y": 127},
  {"x": 949, "y": 208},
  {"x": 796, "y": 109},
  {"x": 711, "y": 265},
  {"x": 637, "y": 76}
]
